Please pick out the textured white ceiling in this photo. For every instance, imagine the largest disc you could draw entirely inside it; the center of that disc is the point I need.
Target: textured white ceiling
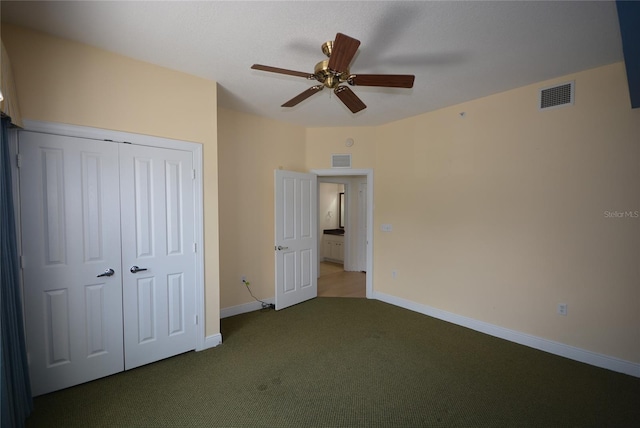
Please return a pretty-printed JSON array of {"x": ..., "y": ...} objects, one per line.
[{"x": 458, "y": 51}]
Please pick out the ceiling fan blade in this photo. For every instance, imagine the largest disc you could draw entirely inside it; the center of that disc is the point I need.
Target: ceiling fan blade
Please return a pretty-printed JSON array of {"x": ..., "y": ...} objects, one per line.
[
  {"x": 282, "y": 71},
  {"x": 385, "y": 80},
  {"x": 303, "y": 96},
  {"x": 344, "y": 49},
  {"x": 350, "y": 99}
]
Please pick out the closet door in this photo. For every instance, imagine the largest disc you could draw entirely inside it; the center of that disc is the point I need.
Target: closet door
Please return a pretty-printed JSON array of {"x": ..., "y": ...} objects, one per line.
[
  {"x": 70, "y": 211},
  {"x": 158, "y": 254}
]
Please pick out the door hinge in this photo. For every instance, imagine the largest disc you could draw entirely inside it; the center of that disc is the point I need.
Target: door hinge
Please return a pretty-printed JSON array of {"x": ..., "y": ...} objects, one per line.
[
  {"x": 195, "y": 247},
  {"x": 18, "y": 160},
  {"x": 193, "y": 174},
  {"x": 21, "y": 262},
  {"x": 196, "y": 319}
]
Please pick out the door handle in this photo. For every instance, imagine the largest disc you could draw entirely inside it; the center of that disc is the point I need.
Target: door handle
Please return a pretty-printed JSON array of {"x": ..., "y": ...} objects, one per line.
[
  {"x": 280, "y": 248},
  {"x": 136, "y": 269},
  {"x": 107, "y": 272}
]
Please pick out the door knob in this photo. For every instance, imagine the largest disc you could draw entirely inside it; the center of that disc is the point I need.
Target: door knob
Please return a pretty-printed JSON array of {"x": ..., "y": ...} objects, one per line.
[
  {"x": 280, "y": 248},
  {"x": 136, "y": 269},
  {"x": 107, "y": 272}
]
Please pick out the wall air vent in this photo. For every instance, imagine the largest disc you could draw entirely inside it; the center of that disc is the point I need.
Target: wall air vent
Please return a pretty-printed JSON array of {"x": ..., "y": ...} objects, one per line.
[
  {"x": 341, "y": 160},
  {"x": 556, "y": 96}
]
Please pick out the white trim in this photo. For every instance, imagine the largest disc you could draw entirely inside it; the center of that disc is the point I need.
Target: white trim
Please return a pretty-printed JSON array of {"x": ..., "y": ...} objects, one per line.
[
  {"x": 146, "y": 140},
  {"x": 107, "y": 134},
  {"x": 244, "y": 308},
  {"x": 369, "y": 174},
  {"x": 198, "y": 198},
  {"x": 211, "y": 341},
  {"x": 557, "y": 348}
]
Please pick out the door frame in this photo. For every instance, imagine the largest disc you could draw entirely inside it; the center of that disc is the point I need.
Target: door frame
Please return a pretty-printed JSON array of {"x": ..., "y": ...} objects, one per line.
[
  {"x": 146, "y": 140},
  {"x": 369, "y": 249}
]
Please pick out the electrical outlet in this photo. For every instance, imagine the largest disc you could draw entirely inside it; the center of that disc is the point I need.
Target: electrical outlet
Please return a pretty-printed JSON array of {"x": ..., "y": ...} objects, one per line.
[
  {"x": 562, "y": 309},
  {"x": 394, "y": 274}
]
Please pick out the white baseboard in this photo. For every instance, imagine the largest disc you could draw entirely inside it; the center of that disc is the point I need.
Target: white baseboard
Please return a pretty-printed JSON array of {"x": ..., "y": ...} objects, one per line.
[
  {"x": 244, "y": 308},
  {"x": 212, "y": 341},
  {"x": 557, "y": 348}
]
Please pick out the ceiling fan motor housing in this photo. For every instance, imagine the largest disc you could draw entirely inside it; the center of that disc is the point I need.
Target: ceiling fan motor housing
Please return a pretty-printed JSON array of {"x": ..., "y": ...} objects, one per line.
[{"x": 330, "y": 79}]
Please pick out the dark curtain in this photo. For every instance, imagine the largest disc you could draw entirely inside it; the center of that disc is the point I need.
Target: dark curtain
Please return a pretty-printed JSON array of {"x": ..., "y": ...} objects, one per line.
[{"x": 16, "y": 389}]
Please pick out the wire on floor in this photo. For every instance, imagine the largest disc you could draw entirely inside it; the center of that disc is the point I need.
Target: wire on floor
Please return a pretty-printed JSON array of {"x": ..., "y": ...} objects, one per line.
[{"x": 265, "y": 305}]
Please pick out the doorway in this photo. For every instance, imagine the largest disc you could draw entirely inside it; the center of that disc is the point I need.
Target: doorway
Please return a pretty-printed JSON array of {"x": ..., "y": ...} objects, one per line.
[
  {"x": 344, "y": 211},
  {"x": 333, "y": 279}
]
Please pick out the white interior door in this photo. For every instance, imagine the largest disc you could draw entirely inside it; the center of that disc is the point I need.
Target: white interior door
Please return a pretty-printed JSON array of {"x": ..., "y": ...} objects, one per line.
[
  {"x": 296, "y": 240},
  {"x": 70, "y": 209},
  {"x": 158, "y": 237}
]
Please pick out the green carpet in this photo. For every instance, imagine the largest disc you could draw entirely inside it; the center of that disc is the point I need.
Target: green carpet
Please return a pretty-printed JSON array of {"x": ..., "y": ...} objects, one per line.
[{"x": 338, "y": 362}]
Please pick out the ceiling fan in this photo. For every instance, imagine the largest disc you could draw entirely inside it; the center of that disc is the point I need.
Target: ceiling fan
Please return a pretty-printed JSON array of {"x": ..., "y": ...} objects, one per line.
[{"x": 332, "y": 73}]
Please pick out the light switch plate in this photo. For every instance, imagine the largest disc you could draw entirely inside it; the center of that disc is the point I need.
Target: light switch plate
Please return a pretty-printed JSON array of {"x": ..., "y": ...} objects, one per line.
[{"x": 386, "y": 227}]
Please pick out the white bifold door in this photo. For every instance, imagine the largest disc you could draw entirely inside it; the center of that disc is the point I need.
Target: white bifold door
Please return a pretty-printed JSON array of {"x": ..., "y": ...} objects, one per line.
[
  {"x": 159, "y": 303},
  {"x": 70, "y": 219},
  {"x": 107, "y": 255}
]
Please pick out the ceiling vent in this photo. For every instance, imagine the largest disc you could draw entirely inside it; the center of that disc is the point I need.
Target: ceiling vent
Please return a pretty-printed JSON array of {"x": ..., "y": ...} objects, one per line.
[
  {"x": 556, "y": 96},
  {"x": 340, "y": 161}
]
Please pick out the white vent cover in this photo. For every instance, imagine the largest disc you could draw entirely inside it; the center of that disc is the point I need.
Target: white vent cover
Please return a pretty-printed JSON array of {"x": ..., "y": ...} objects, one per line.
[
  {"x": 556, "y": 96},
  {"x": 340, "y": 160}
]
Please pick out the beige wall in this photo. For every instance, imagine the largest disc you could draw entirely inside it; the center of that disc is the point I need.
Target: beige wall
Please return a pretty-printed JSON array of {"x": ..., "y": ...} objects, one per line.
[
  {"x": 321, "y": 143},
  {"x": 67, "y": 82},
  {"x": 328, "y": 202},
  {"x": 250, "y": 148},
  {"x": 500, "y": 216}
]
